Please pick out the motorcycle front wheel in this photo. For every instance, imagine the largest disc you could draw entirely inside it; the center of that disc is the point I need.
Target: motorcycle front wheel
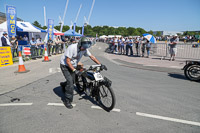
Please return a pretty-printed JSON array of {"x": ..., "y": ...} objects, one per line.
[
  {"x": 192, "y": 72},
  {"x": 106, "y": 97}
]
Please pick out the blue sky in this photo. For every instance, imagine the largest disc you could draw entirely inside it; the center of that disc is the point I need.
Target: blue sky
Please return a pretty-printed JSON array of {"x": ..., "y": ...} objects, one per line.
[{"x": 170, "y": 15}]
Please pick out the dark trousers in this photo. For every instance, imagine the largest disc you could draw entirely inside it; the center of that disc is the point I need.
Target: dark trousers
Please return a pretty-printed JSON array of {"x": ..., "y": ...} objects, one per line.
[
  {"x": 57, "y": 48},
  {"x": 49, "y": 49},
  {"x": 13, "y": 52},
  {"x": 69, "y": 86},
  {"x": 127, "y": 49},
  {"x": 33, "y": 51},
  {"x": 53, "y": 49}
]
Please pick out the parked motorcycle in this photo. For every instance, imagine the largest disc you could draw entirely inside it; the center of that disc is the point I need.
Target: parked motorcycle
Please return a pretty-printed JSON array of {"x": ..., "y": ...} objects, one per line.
[
  {"x": 192, "y": 70},
  {"x": 95, "y": 85}
]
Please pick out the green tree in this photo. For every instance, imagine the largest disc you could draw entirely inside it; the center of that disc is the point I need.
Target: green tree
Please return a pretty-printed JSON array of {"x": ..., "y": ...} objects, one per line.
[
  {"x": 158, "y": 33},
  {"x": 150, "y": 32},
  {"x": 37, "y": 24},
  {"x": 44, "y": 27}
]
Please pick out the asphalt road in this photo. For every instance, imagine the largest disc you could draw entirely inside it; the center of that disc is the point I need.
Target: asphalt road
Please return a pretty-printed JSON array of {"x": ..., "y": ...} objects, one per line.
[{"x": 149, "y": 101}]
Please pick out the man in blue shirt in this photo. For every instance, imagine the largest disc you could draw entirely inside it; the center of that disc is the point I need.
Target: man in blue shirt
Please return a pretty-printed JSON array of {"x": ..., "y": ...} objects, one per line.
[
  {"x": 129, "y": 46},
  {"x": 33, "y": 48}
]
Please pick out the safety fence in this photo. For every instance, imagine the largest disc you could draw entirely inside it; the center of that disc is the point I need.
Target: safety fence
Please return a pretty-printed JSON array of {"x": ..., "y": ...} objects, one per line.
[{"x": 184, "y": 50}]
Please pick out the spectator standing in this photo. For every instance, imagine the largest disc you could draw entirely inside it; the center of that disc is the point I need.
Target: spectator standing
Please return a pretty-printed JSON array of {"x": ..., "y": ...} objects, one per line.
[
  {"x": 4, "y": 39},
  {"x": 129, "y": 46},
  {"x": 49, "y": 45},
  {"x": 59, "y": 45},
  {"x": 122, "y": 45},
  {"x": 119, "y": 45},
  {"x": 14, "y": 46},
  {"x": 33, "y": 48},
  {"x": 172, "y": 47},
  {"x": 116, "y": 45},
  {"x": 148, "y": 47},
  {"x": 40, "y": 46},
  {"x": 56, "y": 41},
  {"x": 137, "y": 47},
  {"x": 25, "y": 38},
  {"x": 143, "y": 46}
]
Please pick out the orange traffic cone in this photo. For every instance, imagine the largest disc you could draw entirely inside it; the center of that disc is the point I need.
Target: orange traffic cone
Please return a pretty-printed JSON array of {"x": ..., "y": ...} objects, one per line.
[
  {"x": 46, "y": 58},
  {"x": 21, "y": 67}
]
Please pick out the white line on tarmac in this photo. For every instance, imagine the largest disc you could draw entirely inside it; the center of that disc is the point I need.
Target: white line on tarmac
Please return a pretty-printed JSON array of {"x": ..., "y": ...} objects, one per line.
[
  {"x": 175, "y": 66},
  {"x": 15, "y": 104},
  {"x": 50, "y": 70},
  {"x": 59, "y": 104},
  {"x": 58, "y": 69},
  {"x": 150, "y": 65},
  {"x": 168, "y": 119},
  {"x": 97, "y": 107}
]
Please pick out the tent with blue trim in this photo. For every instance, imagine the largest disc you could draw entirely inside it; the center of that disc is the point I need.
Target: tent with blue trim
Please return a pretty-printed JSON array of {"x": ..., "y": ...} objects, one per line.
[
  {"x": 25, "y": 28},
  {"x": 70, "y": 32}
]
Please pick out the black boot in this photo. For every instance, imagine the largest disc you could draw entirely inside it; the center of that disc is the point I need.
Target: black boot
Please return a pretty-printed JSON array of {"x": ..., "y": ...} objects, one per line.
[{"x": 67, "y": 103}]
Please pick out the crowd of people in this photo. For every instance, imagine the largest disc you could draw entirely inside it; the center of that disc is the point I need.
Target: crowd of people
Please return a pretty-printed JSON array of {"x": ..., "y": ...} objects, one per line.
[
  {"x": 125, "y": 46},
  {"x": 37, "y": 45}
]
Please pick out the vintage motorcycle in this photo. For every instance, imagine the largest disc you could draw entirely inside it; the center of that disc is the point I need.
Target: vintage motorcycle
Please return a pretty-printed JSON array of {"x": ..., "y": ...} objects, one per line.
[
  {"x": 95, "y": 85},
  {"x": 192, "y": 70}
]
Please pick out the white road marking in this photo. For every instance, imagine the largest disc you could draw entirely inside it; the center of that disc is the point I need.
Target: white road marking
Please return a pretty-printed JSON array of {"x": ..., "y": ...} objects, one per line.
[
  {"x": 168, "y": 119},
  {"x": 176, "y": 67},
  {"x": 58, "y": 69},
  {"x": 99, "y": 47},
  {"x": 59, "y": 104},
  {"x": 50, "y": 70},
  {"x": 97, "y": 107},
  {"x": 54, "y": 70},
  {"x": 150, "y": 65},
  {"x": 15, "y": 104}
]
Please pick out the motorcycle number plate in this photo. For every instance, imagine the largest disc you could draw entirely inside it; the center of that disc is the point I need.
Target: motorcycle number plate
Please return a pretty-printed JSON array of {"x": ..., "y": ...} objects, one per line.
[{"x": 98, "y": 76}]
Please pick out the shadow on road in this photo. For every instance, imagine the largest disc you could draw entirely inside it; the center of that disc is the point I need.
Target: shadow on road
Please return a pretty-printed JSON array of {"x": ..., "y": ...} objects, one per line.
[
  {"x": 177, "y": 76},
  {"x": 59, "y": 93}
]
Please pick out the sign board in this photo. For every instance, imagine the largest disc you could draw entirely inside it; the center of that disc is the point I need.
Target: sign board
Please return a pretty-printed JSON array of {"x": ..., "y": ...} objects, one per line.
[{"x": 5, "y": 56}]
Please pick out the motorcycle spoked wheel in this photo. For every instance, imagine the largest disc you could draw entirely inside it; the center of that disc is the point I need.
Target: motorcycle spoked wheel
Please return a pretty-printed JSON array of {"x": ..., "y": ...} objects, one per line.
[
  {"x": 106, "y": 97},
  {"x": 192, "y": 72}
]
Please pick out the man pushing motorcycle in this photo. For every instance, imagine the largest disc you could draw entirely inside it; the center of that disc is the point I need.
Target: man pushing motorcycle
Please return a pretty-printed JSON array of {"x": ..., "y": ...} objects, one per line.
[{"x": 68, "y": 64}]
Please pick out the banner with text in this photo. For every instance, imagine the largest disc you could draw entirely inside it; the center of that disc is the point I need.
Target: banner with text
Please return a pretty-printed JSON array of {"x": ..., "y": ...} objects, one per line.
[
  {"x": 11, "y": 16},
  {"x": 74, "y": 28},
  {"x": 50, "y": 28},
  {"x": 5, "y": 56},
  {"x": 83, "y": 30}
]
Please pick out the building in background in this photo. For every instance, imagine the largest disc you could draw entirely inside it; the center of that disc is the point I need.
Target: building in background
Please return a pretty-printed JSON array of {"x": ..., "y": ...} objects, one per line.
[{"x": 168, "y": 33}]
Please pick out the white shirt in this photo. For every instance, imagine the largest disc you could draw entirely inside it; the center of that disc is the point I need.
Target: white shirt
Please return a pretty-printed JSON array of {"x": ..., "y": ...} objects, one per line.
[
  {"x": 74, "y": 54},
  {"x": 25, "y": 38}
]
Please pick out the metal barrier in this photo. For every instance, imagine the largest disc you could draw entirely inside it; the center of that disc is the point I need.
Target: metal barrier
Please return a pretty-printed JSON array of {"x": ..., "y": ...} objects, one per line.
[{"x": 184, "y": 50}]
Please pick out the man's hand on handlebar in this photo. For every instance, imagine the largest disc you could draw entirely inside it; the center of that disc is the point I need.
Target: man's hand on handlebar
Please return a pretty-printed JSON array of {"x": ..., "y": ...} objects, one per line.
[{"x": 103, "y": 67}]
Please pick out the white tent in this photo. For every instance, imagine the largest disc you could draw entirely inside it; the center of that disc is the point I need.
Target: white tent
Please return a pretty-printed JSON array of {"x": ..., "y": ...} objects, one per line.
[
  {"x": 104, "y": 36},
  {"x": 32, "y": 30}
]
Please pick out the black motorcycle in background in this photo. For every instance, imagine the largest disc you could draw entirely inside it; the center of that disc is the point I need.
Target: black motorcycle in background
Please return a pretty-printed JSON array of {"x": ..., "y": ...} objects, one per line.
[{"x": 192, "y": 70}]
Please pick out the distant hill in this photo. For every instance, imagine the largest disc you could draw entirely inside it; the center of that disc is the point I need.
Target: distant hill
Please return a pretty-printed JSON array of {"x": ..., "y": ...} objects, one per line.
[{"x": 3, "y": 18}]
